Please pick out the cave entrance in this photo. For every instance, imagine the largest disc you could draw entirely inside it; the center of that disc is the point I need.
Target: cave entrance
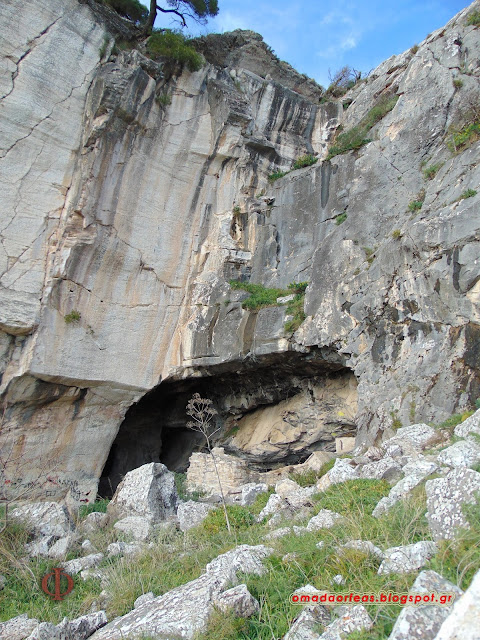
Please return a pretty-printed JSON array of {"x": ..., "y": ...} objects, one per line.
[{"x": 247, "y": 396}]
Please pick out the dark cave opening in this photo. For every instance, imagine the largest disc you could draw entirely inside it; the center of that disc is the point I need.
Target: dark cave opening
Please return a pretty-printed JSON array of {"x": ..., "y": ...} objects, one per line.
[{"x": 154, "y": 429}]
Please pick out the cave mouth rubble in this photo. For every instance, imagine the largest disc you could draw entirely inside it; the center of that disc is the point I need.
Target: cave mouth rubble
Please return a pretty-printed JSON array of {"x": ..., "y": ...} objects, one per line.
[{"x": 272, "y": 411}]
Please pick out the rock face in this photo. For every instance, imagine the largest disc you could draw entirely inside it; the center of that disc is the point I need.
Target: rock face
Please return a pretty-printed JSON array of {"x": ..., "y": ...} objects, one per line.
[{"x": 123, "y": 220}]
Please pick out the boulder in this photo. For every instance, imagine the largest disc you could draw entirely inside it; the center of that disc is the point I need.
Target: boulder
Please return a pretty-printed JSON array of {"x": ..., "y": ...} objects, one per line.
[
  {"x": 409, "y": 440},
  {"x": 306, "y": 625},
  {"x": 463, "y": 621},
  {"x": 469, "y": 428},
  {"x": 134, "y": 527},
  {"x": 349, "y": 619},
  {"x": 123, "y": 549},
  {"x": 385, "y": 469},
  {"x": 408, "y": 558},
  {"x": 183, "y": 612},
  {"x": 460, "y": 454},
  {"x": 94, "y": 522},
  {"x": 18, "y": 628},
  {"x": 148, "y": 491},
  {"x": 250, "y": 491},
  {"x": 342, "y": 471},
  {"x": 445, "y": 497},
  {"x": 365, "y": 546},
  {"x": 278, "y": 533},
  {"x": 44, "y": 518},
  {"x": 424, "y": 621},
  {"x": 73, "y": 567},
  {"x": 48, "y": 631},
  {"x": 190, "y": 514},
  {"x": 237, "y": 600},
  {"x": 83, "y": 627},
  {"x": 274, "y": 505},
  {"x": 145, "y": 597},
  {"x": 325, "y": 519}
]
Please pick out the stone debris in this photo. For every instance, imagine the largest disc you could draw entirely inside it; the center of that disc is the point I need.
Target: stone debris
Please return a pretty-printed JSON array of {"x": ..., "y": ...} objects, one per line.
[
  {"x": 385, "y": 469},
  {"x": 417, "y": 471},
  {"x": 185, "y": 611},
  {"x": 409, "y": 440},
  {"x": 274, "y": 505},
  {"x": 250, "y": 491},
  {"x": 445, "y": 497},
  {"x": 18, "y": 628},
  {"x": 408, "y": 558},
  {"x": 469, "y": 428},
  {"x": 325, "y": 519},
  {"x": 338, "y": 579},
  {"x": 123, "y": 549},
  {"x": 463, "y": 621},
  {"x": 94, "y": 521},
  {"x": 73, "y": 567},
  {"x": 83, "y": 627},
  {"x": 190, "y": 514},
  {"x": 306, "y": 625},
  {"x": 134, "y": 528},
  {"x": 44, "y": 518},
  {"x": 460, "y": 454},
  {"x": 424, "y": 621},
  {"x": 365, "y": 546},
  {"x": 238, "y": 600},
  {"x": 349, "y": 619},
  {"x": 342, "y": 471},
  {"x": 144, "y": 598},
  {"x": 148, "y": 491},
  {"x": 278, "y": 533}
]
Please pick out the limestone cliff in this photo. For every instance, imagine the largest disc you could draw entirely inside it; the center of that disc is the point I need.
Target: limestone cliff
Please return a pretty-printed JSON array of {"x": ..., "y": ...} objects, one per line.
[{"x": 132, "y": 194}]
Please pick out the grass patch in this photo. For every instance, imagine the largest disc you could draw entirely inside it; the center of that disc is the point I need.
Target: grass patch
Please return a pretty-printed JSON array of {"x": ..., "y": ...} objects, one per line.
[
  {"x": 73, "y": 316},
  {"x": 430, "y": 172},
  {"x": 183, "y": 492},
  {"x": 473, "y": 19},
  {"x": 341, "y": 218},
  {"x": 295, "y": 309},
  {"x": 359, "y": 496},
  {"x": 463, "y": 138},
  {"x": 163, "y": 100},
  {"x": 304, "y": 161},
  {"x": 356, "y": 137},
  {"x": 99, "y": 506},
  {"x": 174, "y": 46},
  {"x": 469, "y": 193},
  {"x": 310, "y": 477},
  {"x": 240, "y": 518},
  {"x": 277, "y": 175}
]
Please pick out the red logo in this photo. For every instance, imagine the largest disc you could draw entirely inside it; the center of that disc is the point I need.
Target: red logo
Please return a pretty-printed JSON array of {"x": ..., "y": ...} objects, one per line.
[{"x": 58, "y": 573}]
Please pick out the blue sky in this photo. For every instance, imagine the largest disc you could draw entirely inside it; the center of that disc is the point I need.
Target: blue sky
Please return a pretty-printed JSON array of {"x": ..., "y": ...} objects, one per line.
[{"x": 317, "y": 35}]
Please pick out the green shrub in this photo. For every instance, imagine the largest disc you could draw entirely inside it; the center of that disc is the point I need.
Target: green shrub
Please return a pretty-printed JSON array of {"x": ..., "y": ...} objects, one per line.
[
  {"x": 341, "y": 218},
  {"x": 240, "y": 518},
  {"x": 457, "y": 83},
  {"x": 469, "y": 193},
  {"x": 236, "y": 211},
  {"x": 260, "y": 296},
  {"x": 297, "y": 287},
  {"x": 430, "y": 172},
  {"x": 163, "y": 100},
  {"x": 414, "y": 49},
  {"x": 356, "y": 137},
  {"x": 463, "y": 138},
  {"x": 295, "y": 309},
  {"x": 304, "y": 161},
  {"x": 277, "y": 175},
  {"x": 131, "y": 9},
  {"x": 310, "y": 477},
  {"x": 183, "y": 492},
  {"x": 415, "y": 205},
  {"x": 175, "y": 47},
  {"x": 396, "y": 234},
  {"x": 473, "y": 18},
  {"x": 73, "y": 316}
]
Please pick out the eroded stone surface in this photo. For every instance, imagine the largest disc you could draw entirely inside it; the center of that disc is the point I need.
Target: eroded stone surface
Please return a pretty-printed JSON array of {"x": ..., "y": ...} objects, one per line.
[
  {"x": 408, "y": 558},
  {"x": 462, "y": 623}
]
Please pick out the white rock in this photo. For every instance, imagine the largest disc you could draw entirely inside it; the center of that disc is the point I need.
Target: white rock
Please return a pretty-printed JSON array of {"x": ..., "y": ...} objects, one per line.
[
  {"x": 18, "y": 628},
  {"x": 463, "y": 622},
  {"x": 190, "y": 514},
  {"x": 238, "y": 600},
  {"x": 134, "y": 527},
  {"x": 44, "y": 518},
  {"x": 338, "y": 579},
  {"x": 460, "y": 454},
  {"x": 445, "y": 497},
  {"x": 73, "y": 567},
  {"x": 278, "y": 533},
  {"x": 424, "y": 621},
  {"x": 94, "y": 522},
  {"x": 274, "y": 504},
  {"x": 87, "y": 547},
  {"x": 342, "y": 471},
  {"x": 123, "y": 549},
  {"x": 325, "y": 519},
  {"x": 62, "y": 546},
  {"x": 148, "y": 491},
  {"x": 350, "y": 619},
  {"x": 469, "y": 427},
  {"x": 408, "y": 558},
  {"x": 83, "y": 627},
  {"x": 250, "y": 491},
  {"x": 306, "y": 625},
  {"x": 48, "y": 631},
  {"x": 365, "y": 546},
  {"x": 146, "y": 597},
  {"x": 386, "y": 468},
  {"x": 408, "y": 440},
  {"x": 40, "y": 547}
]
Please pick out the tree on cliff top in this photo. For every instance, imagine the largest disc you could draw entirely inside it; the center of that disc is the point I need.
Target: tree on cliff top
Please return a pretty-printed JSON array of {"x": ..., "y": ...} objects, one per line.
[{"x": 198, "y": 10}]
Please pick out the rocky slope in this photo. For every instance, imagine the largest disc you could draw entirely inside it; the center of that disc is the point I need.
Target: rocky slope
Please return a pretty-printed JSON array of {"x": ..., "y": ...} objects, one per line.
[{"x": 125, "y": 216}]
